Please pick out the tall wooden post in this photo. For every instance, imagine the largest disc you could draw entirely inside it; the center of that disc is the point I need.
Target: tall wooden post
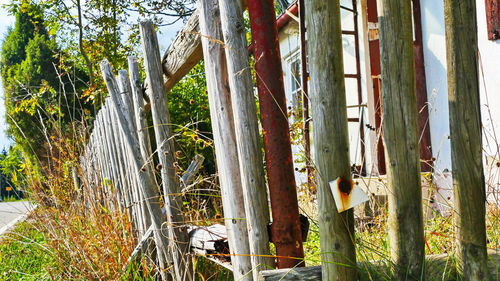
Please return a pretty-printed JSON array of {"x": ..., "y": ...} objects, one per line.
[
  {"x": 165, "y": 150},
  {"x": 399, "y": 103},
  {"x": 465, "y": 133},
  {"x": 223, "y": 129},
  {"x": 329, "y": 113},
  {"x": 285, "y": 230},
  {"x": 247, "y": 132}
]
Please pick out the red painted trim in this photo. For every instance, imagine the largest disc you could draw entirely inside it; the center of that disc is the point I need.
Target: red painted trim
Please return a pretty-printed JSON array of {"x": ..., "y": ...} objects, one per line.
[
  {"x": 421, "y": 87},
  {"x": 285, "y": 18}
]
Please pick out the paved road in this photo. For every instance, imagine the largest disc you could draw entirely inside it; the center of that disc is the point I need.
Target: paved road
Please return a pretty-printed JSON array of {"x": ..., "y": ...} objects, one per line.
[{"x": 12, "y": 211}]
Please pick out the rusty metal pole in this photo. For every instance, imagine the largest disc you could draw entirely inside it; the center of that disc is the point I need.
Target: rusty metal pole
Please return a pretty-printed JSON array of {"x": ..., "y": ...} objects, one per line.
[{"x": 285, "y": 231}]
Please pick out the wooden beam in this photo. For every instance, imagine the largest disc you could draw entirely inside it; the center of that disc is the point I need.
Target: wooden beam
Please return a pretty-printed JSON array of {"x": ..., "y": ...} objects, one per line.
[
  {"x": 221, "y": 113},
  {"x": 400, "y": 115},
  {"x": 179, "y": 240},
  {"x": 331, "y": 138},
  {"x": 466, "y": 137},
  {"x": 247, "y": 133},
  {"x": 438, "y": 267},
  {"x": 183, "y": 54},
  {"x": 185, "y": 51}
]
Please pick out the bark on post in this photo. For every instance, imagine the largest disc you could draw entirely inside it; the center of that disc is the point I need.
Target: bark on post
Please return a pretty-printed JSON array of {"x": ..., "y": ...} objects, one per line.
[
  {"x": 465, "y": 133},
  {"x": 141, "y": 124},
  {"x": 141, "y": 120},
  {"x": 329, "y": 113},
  {"x": 145, "y": 181},
  {"x": 165, "y": 149},
  {"x": 128, "y": 112},
  {"x": 112, "y": 153},
  {"x": 399, "y": 103},
  {"x": 285, "y": 229},
  {"x": 247, "y": 133},
  {"x": 221, "y": 113}
]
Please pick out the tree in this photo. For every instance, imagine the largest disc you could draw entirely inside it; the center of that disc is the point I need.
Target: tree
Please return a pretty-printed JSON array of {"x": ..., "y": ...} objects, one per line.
[{"x": 40, "y": 85}]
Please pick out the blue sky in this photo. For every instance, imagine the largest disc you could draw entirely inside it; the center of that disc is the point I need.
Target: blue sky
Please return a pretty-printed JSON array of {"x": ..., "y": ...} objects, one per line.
[
  {"x": 5, "y": 22},
  {"x": 167, "y": 34}
]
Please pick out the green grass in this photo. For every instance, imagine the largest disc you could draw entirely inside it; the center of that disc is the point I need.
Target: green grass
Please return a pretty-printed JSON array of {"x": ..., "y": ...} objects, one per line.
[
  {"x": 373, "y": 247},
  {"x": 23, "y": 255},
  {"x": 12, "y": 199}
]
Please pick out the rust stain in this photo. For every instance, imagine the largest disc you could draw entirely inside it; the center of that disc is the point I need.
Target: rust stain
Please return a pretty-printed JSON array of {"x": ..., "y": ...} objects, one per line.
[{"x": 345, "y": 187}]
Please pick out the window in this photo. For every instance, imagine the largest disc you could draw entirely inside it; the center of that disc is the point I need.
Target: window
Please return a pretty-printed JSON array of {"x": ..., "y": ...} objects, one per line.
[
  {"x": 296, "y": 81},
  {"x": 493, "y": 19}
]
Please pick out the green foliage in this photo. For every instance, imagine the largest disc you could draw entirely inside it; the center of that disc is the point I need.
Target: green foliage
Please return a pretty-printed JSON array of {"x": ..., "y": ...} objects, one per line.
[
  {"x": 190, "y": 116},
  {"x": 12, "y": 166},
  {"x": 23, "y": 255},
  {"x": 40, "y": 88}
]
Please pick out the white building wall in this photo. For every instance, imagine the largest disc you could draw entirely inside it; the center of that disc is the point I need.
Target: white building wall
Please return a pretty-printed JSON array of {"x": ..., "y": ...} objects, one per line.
[{"x": 434, "y": 42}]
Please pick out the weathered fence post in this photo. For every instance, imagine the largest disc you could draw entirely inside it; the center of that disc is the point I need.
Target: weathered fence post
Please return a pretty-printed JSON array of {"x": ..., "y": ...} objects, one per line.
[
  {"x": 399, "y": 103},
  {"x": 285, "y": 229},
  {"x": 332, "y": 160},
  {"x": 247, "y": 132},
  {"x": 166, "y": 152},
  {"x": 126, "y": 94},
  {"x": 141, "y": 122},
  {"x": 465, "y": 132},
  {"x": 145, "y": 181},
  {"x": 221, "y": 113}
]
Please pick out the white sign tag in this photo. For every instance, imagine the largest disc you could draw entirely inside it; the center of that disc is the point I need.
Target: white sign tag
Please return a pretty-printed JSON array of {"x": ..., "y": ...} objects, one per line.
[{"x": 346, "y": 194}]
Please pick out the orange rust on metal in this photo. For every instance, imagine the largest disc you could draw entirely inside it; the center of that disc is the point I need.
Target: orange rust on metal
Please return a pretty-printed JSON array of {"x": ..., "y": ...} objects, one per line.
[{"x": 286, "y": 228}]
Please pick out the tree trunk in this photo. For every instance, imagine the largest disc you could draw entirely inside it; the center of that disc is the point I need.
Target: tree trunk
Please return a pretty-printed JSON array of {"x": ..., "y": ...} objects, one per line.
[
  {"x": 329, "y": 113},
  {"x": 465, "y": 133},
  {"x": 399, "y": 103}
]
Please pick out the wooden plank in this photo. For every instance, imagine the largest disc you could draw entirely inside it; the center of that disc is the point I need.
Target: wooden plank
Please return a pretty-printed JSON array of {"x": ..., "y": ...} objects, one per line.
[
  {"x": 221, "y": 113},
  {"x": 185, "y": 51},
  {"x": 183, "y": 54},
  {"x": 209, "y": 239},
  {"x": 145, "y": 181},
  {"x": 400, "y": 115},
  {"x": 438, "y": 267},
  {"x": 247, "y": 133},
  {"x": 192, "y": 170},
  {"x": 166, "y": 153},
  {"x": 329, "y": 115},
  {"x": 466, "y": 137}
]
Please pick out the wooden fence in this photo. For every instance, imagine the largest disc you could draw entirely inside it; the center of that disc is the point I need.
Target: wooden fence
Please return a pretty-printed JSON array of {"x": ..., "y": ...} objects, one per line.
[{"x": 118, "y": 158}]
